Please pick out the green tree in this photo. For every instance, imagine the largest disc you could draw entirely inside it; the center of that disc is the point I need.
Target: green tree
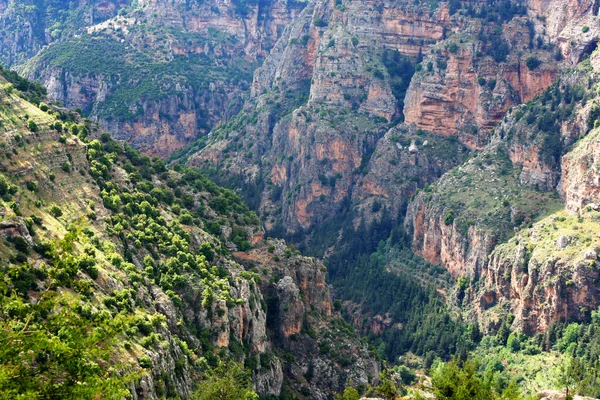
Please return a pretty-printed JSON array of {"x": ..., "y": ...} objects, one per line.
[
  {"x": 386, "y": 388},
  {"x": 452, "y": 381},
  {"x": 350, "y": 393},
  {"x": 513, "y": 343},
  {"x": 226, "y": 382},
  {"x": 67, "y": 356},
  {"x": 32, "y": 126}
]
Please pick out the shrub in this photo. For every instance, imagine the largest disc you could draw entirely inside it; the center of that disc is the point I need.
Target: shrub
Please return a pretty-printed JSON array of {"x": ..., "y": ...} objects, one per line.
[
  {"x": 145, "y": 362},
  {"x": 186, "y": 219},
  {"x": 31, "y": 185},
  {"x": 585, "y": 28},
  {"x": 449, "y": 217},
  {"x": 513, "y": 343},
  {"x": 32, "y": 125},
  {"x": 93, "y": 272},
  {"x": 320, "y": 23},
  {"x": 44, "y": 107},
  {"x": 56, "y": 211},
  {"x": 4, "y": 186},
  {"x": 532, "y": 63}
]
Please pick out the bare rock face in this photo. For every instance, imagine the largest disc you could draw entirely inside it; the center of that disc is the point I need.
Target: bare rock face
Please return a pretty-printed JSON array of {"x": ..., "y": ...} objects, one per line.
[
  {"x": 403, "y": 161},
  {"x": 321, "y": 104},
  {"x": 466, "y": 95},
  {"x": 304, "y": 324},
  {"x": 570, "y": 24},
  {"x": 542, "y": 283},
  {"x": 580, "y": 181},
  {"x": 441, "y": 243}
]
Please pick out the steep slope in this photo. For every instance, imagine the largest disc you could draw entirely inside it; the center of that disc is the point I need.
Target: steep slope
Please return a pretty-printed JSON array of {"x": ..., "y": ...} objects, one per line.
[
  {"x": 157, "y": 74},
  {"x": 547, "y": 272},
  {"x": 118, "y": 237},
  {"x": 340, "y": 80}
]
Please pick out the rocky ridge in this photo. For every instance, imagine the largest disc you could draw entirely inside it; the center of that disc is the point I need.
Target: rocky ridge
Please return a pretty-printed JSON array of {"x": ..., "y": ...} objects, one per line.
[{"x": 204, "y": 55}]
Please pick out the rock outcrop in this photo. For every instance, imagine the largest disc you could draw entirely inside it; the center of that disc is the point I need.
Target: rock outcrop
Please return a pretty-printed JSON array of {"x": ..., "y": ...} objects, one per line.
[
  {"x": 322, "y": 352},
  {"x": 547, "y": 272}
]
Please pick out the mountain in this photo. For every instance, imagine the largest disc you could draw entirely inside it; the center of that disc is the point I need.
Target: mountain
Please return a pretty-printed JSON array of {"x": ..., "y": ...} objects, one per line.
[
  {"x": 153, "y": 262},
  {"x": 404, "y": 97},
  {"x": 351, "y": 88},
  {"x": 156, "y": 74},
  {"x": 437, "y": 160}
]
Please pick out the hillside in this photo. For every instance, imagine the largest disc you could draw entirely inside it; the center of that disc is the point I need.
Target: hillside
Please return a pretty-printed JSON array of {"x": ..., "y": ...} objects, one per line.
[
  {"x": 157, "y": 74},
  {"x": 140, "y": 260}
]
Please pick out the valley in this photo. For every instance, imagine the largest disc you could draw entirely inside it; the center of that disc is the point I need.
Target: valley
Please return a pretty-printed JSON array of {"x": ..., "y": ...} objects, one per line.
[{"x": 299, "y": 199}]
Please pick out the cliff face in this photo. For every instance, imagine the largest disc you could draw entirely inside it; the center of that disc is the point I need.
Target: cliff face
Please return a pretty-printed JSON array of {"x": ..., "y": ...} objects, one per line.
[
  {"x": 547, "y": 272},
  {"x": 203, "y": 53},
  {"x": 565, "y": 22},
  {"x": 466, "y": 95},
  {"x": 322, "y": 102},
  {"x": 323, "y": 352}
]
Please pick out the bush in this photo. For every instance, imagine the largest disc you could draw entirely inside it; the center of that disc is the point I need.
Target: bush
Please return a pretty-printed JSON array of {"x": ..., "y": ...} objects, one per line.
[
  {"x": 513, "y": 343},
  {"x": 44, "y": 107},
  {"x": 32, "y": 186},
  {"x": 4, "y": 186},
  {"x": 186, "y": 219},
  {"x": 32, "y": 126},
  {"x": 585, "y": 29},
  {"x": 449, "y": 218},
  {"x": 532, "y": 63},
  {"x": 93, "y": 272},
  {"x": 145, "y": 362},
  {"x": 320, "y": 23},
  {"x": 56, "y": 211},
  {"x": 453, "y": 381}
]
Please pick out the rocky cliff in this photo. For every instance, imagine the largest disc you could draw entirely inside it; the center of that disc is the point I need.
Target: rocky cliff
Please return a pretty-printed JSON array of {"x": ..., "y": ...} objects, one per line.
[
  {"x": 322, "y": 351},
  {"x": 546, "y": 273},
  {"x": 335, "y": 86}
]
